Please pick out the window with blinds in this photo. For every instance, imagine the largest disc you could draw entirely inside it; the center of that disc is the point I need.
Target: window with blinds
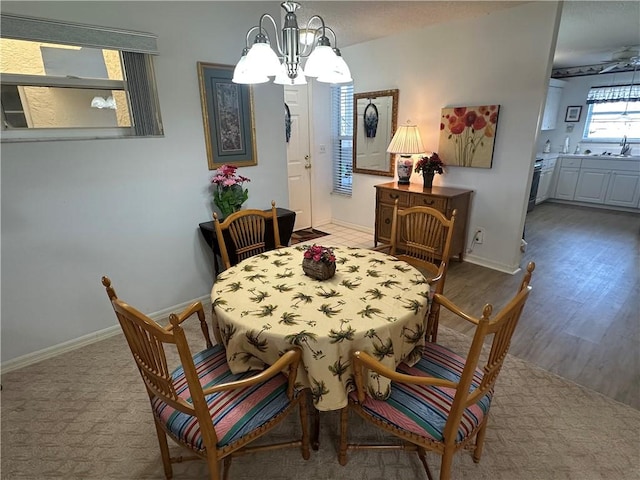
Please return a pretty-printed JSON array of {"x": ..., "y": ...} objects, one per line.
[
  {"x": 342, "y": 137},
  {"x": 64, "y": 81},
  {"x": 613, "y": 112}
]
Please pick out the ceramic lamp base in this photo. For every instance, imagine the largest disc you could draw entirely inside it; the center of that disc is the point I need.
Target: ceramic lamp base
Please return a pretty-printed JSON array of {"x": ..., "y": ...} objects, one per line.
[{"x": 404, "y": 167}]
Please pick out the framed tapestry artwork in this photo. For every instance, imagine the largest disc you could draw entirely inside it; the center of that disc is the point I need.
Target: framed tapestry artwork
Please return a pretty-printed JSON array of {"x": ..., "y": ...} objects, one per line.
[
  {"x": 227, "y": 113},
  {"x": 573, "y": 113},
  {"x": 467, "y": 135}
]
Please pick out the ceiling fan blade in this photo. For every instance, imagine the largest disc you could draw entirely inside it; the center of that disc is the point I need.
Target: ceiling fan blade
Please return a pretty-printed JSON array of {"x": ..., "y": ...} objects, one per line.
[{"x": 609, "y": 68}]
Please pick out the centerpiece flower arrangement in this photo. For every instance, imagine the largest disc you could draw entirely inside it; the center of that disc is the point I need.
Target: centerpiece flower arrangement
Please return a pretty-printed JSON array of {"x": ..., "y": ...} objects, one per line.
[
  {"x": 429, "y": 166},
  {"x": 319, "y": 262},
  {"x": 228, "y": 191}
]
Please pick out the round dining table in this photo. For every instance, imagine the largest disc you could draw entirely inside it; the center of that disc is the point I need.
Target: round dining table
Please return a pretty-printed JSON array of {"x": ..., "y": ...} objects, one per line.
[{"x": 266, "y": 304}]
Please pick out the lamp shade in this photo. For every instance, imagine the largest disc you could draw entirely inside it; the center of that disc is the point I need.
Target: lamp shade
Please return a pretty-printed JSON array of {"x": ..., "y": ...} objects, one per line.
[
  {"x": 243, "y": 74},
  {"x": 406, "y": 140},
  {"x": 263, "y": 60},
  {"x": 283, "y": 79},
  {"x": 340, "y": 72},
  {"x": 321, "y": 60}
]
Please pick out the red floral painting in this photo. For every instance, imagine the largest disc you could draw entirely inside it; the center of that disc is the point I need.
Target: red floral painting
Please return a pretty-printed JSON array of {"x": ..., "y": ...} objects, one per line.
[{"x": 467, "y": 135}]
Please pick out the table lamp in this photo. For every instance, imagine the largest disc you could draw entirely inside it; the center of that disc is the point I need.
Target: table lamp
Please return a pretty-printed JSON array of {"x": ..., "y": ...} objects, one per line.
[{"x": 405, "y": 142}]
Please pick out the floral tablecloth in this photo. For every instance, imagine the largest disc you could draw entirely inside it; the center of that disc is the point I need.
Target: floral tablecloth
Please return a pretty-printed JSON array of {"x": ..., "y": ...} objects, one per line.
[{"x": 374, "y": 302}]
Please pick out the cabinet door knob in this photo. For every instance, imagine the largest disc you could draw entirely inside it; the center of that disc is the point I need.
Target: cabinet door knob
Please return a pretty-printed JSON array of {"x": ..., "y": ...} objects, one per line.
[
  {"x": 394, "y": 195},
  {"x": 387, "y": 221},
  {"x": 428, "y": 202}
]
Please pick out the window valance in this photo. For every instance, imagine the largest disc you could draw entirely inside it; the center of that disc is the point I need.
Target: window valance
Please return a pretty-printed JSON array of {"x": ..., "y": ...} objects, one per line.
[
  {"x": 615, "y": 93},
  {"x": 67, "y": 33}
]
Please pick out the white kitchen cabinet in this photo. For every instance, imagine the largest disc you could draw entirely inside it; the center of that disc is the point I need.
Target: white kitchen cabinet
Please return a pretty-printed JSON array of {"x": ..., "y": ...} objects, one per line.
[
  {"x": 552, "y": 105},
  {"x": 544, "y": 186},
  {"x": 607, "y": 181},
  {"x": 592, "y": 185},
  {"x": 624, "y": 189},
  {"x": 567, "y": 181},
  {"x": 568, "y": 174},
  {"x": 546, "y": 179}
]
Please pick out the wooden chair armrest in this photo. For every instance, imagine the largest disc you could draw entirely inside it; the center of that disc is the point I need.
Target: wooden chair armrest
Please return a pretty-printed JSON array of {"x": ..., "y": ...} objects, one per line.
[
  {"x": 290, "y": 357},
  {"x": 436, "y": 279},
  {"x": 452, "y": 307},
  {"x": 198, "y": 309},
  {"x": 363, "y": 359},
  {"x": 195, "y": 307}
]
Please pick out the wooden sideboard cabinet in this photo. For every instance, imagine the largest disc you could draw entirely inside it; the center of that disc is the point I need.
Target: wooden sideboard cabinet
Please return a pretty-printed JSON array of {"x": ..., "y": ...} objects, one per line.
[{"x": 443, "y": 199}]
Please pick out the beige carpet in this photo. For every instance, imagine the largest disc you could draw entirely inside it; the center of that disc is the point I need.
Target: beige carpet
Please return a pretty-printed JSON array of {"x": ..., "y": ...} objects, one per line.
[{"x": 85, "y": 415}]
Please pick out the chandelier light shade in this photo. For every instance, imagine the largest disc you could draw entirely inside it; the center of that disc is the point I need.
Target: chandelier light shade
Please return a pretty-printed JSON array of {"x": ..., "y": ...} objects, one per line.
[
  {"x": 405, "y": 142},
  {"x": 283, "y": 60}
]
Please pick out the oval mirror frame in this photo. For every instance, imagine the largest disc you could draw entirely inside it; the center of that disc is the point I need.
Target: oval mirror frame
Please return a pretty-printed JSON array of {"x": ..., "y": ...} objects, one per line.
[{"x": 373, "y": 129}]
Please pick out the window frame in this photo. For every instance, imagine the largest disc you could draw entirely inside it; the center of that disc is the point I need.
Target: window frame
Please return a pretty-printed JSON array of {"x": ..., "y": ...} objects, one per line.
[
  {"x": 341, "y": 123},
  {"x": 629, "y": 106},
  {"x": 135, "y": 50}
]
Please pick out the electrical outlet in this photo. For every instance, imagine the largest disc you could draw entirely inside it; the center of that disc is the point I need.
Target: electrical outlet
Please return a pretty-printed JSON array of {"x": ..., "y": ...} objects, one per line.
[{"x": 479, "y": 236}]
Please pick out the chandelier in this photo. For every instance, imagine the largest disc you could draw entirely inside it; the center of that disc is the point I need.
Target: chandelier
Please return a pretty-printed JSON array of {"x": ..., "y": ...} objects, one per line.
[{"x": 260, "y": 61}]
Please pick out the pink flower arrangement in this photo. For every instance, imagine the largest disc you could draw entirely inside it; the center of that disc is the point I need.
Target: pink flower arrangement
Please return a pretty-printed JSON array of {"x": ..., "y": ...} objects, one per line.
[
  {"x": 318, "y": 253},
  {"x": 228, "y": 194}
]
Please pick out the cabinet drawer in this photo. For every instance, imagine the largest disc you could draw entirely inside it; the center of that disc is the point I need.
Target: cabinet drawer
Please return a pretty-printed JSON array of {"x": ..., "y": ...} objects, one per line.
[
  {"x": 384, "y": 220},
  {"x": 570, "y": 162},
  {"x": 438, "y": 203},
  {"x": 390, "y": 196}
]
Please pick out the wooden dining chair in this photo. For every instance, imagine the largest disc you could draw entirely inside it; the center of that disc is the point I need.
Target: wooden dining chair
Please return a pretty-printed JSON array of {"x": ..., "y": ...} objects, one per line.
[
  {"x": 421, "y": 236},
  {"x": 247, "y": 229},
  {"x": 441, "y": 403},
  {"x": 201, "y": 404}
]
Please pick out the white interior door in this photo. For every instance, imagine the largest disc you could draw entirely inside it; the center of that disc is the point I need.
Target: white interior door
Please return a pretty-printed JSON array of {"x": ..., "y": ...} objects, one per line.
[{"x": 298, "y": 155}]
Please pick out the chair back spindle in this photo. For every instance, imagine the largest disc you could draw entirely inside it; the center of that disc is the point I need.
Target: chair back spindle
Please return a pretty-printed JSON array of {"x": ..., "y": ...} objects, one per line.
[{"x": 247, "y": 230}]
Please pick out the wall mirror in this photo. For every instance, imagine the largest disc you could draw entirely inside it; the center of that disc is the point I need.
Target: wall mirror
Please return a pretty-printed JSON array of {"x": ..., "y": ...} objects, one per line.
[{"x": 375, "y": 122}]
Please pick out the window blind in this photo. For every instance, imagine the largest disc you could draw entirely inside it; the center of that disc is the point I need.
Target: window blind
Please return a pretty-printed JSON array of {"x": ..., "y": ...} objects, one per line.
[
  {"x": 615, "y": 93},
  {"x": 342, "y": 137},
  {"x": 141, "y": 83},
  {"x": 67, "y": 33}
]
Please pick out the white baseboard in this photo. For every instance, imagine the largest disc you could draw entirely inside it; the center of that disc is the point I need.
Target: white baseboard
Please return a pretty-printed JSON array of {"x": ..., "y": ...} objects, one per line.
[
  {"x": 352, "y": 226},
  {"x": 483, "y": 262},
  {"x": 49, "y": 352}
]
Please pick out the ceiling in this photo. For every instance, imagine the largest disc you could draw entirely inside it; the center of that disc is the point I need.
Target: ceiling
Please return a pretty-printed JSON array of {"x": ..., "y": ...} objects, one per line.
[{"x": 590, "y": 31}]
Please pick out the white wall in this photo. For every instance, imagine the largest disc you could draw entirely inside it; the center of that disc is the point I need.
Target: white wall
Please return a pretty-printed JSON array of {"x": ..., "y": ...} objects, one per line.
[
  {"x": 501, "y": 58},
  {"x": 575, "y": 93},
  {"x": 128, "y": 208}
]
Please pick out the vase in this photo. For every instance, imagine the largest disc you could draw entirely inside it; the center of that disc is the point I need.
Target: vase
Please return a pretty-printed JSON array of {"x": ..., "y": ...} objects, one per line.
[
  {"x": 427, "y": 178},
  {"x": 404, "y": 166},
  {"x": 318, "y": 270}
]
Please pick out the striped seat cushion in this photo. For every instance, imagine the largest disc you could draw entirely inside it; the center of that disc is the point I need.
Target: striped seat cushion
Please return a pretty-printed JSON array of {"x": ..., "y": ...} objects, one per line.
[
  {"x": 234, "y": 413},
  {"x": 423, "y": 410}
]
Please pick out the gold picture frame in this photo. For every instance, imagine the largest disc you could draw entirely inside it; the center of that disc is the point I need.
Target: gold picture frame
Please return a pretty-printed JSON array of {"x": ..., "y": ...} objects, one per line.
[{"x": 228, "y": 118}]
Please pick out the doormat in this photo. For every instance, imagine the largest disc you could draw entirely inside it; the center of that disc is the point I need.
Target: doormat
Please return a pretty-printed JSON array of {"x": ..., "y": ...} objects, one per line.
[{"x": 305, "y": 235}]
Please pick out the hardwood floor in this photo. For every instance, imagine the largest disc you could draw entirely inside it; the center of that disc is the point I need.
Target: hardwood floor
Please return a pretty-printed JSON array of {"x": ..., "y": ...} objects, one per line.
[{"x": 582, "y": 320}]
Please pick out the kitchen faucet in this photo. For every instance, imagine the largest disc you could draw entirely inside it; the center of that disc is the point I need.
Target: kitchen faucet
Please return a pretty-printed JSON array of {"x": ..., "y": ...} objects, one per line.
[{"x": 625, "y": 146}]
